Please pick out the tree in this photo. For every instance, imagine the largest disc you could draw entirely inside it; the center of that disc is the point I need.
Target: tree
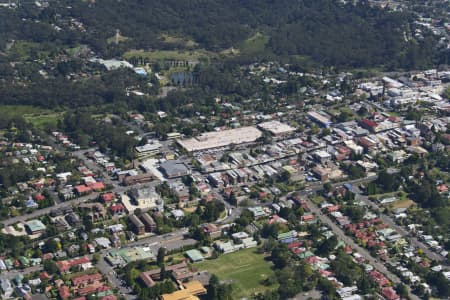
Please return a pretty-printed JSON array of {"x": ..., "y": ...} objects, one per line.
[
  {"x": 212, "y": 210},
  {"x": 327, "y": 246},
  {"x": 371, "y": 188},
  {"x": 414, "y": 115},
  {"x": 96, "y": 258},
  {"x": 218, "y": 291},
  {"x": 50, "y": 266},
  {"x": 446, "y": 93},
  {"x": 232, "y": 199},
  {"x": 161, "y": 256},
  {"x": 402, "y": 290},
  {"x": 365, "y": 284},
  {"x": 388, "y": 182},
  {"x": 441, "y": 283},
  {"x": 280, "y": 256},
  {"x": 51, "y": 245}
]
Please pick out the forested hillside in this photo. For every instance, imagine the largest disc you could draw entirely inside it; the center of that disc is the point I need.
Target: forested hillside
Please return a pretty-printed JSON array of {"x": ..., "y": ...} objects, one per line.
[{"x": 327, "y": 31}]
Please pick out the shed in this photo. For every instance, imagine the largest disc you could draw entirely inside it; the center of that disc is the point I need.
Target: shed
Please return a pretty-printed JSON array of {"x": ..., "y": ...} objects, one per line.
[{"x": 194, "y": 255}]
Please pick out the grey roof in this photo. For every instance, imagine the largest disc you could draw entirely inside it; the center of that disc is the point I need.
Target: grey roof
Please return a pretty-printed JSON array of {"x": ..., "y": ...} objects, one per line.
[
  {"x": 174, "y": 168},
  {"x": 148, "y": 219},
  {"x": 136, "y": 222}
]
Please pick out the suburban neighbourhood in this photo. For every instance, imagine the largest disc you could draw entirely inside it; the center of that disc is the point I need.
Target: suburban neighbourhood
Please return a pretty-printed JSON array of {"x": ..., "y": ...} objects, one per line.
[{"x": 298, "y": 182}]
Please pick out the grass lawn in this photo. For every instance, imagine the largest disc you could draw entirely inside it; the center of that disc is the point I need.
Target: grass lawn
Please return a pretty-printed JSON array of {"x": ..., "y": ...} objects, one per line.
[
  {"x": 20, "y": 110},
  {"x": 317, "y": 200},
  {"x": 22, "y": 50},
  {"x": 186, "y": 42},
  {"x": 255, "y": 44},
  {"x": 39, "y": 117},
  {"x": 403, "y": 203},
  {"x": 245, "y": 269},
  {"x": 169, "y": 55},
  {"x": 44, "y": 120}
]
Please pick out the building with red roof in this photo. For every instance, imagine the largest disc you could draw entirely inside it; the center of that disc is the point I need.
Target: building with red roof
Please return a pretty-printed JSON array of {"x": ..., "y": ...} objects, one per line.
[
  {"x": 44, "y": 275},
  {"x": 390, "y": 294},
  {"x": 97, "y": 186},
  {"x": 348, "y": 249},
  {"x": 82, "y": 189},
  {"x": 307, "y": 218},
  {"x": 117, "y": 209},
  {"x": 379, "y": 278},
  {"x": 39, "y": 197},
  {"x": 84, "y": 280},
  {"x": 65, "y": 265},
  {"x": 368, "y": 124},
  {"x": 64, "y": 292},
  {"x": 87, "y": 290},
  {"x": 107, "y": 197}
]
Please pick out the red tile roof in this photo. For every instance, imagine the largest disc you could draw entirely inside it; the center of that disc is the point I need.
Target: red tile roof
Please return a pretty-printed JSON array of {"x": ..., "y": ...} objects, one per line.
[
  {"x": 108, "y": 197},
  {"x": 85, "y": 279},
  {"x": 97, "y": 186},
  {"x": 64, "y": 292},
  {"x": 80, "y": 189},
  {"x": 390, "y": 293},
  {"x": 117, "y": 208},
  {"x": 369, "y": 123},
  {"x": 65, "y": 265},
  {"x": 39, "y": 197}
]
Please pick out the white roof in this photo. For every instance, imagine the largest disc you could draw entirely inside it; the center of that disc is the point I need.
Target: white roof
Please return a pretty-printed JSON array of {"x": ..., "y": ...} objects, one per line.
[
  {"x": 155, "y": 145},
  {"x": 276, "y": 127},
  {"x": 216, "y": 139}
]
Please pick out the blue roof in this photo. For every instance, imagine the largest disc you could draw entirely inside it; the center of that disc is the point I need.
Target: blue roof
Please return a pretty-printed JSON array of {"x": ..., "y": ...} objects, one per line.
[{"x": 30, "y": 203}]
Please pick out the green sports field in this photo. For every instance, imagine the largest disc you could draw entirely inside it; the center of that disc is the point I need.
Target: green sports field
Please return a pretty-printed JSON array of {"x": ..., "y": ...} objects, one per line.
[{"x": 245, "y": 269}]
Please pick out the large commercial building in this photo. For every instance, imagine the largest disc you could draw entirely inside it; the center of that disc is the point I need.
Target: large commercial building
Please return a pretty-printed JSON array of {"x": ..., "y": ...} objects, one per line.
[
  {"x": 149, "y": 149},
  {"x": 319, "y": 118},
  {"x": 218, "y": 139},
  {"x": 276, "y": 128},
  {"x": 174, "y": 169}
]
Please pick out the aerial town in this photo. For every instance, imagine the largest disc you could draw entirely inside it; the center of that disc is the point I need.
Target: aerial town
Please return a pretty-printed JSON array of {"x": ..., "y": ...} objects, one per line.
[
  {"x": 266, "y": 184},
  {"x": 296, "y": 184}
]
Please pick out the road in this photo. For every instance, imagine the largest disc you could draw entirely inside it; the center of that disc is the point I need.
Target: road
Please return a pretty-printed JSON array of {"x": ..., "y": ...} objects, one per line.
[
  {"x": 170, "y": 241},
  {"x": 45, "y": 211},
  {"x": 349, "y": 241},
  {"x": 91, "y": 165},
  {"x": 13, "y": 273},
  {"x": 412, "y": 240}
]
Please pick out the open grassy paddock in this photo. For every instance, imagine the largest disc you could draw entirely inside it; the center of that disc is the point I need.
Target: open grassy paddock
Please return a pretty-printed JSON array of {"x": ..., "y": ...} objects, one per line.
[
  {"x": 39, "y": 117},
  {"x": 403, "y": 203},
  {"x": 254, "y": 44},
  {"x": 163, "y": 55},
  {"x": 245, "y": 269}
]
